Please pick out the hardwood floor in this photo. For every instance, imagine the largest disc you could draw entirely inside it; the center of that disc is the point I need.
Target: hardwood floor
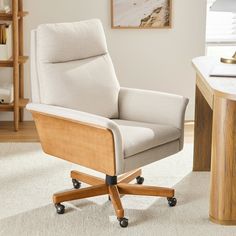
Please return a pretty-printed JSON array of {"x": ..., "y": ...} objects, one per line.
[{"x": 28, "y": 133}]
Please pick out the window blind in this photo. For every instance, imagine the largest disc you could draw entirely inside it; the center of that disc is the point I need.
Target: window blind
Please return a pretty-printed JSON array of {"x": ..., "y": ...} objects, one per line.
[{"x": 221, "y": 26}]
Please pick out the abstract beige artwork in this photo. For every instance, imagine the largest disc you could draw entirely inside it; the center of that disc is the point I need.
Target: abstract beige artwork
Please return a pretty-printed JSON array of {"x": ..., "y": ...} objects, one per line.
[{"x": 141, "y": 13}]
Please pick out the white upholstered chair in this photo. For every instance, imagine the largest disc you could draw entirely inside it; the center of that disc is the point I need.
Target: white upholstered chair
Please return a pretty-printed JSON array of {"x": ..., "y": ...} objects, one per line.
[{"x": 83, "y": 116}]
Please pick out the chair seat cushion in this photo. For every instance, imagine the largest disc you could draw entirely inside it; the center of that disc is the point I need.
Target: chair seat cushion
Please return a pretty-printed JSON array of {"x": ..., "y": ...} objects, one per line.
[{"x": 139, "y": 136}]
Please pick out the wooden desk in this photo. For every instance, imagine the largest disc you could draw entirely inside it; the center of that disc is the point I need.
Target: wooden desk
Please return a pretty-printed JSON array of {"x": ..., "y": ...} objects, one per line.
[{"x": 215, "y": 138}]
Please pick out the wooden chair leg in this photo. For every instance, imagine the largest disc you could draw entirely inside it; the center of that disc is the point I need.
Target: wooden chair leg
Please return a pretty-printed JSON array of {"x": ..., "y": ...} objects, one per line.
[
  {"x": 85, "y": 178},
  {"x": 80, "y": 193},
  {"x": 115, "y": 198},
  {"x": 128, "y": 177},
  {"x": 134, "y": 189},
  {"x": 101, "y": 187}
]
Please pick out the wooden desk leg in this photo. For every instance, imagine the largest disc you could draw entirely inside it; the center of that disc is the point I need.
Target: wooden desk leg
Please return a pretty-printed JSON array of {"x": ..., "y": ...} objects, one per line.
[
  {"x": 223, "y": 174},
  {"x": 202, "y": 133}
]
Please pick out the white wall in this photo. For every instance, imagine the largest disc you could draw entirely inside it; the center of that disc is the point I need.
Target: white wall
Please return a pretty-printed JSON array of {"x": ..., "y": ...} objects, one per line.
[{"x": 148, "y": 59}]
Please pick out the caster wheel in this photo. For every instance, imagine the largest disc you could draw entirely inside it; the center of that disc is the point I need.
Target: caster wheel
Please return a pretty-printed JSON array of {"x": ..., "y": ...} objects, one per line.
[
  {"x": 123, "y": 222},
  {"x": 60, "y": 208},
  {"x": 140, "y": 180},
  {"x": 76, "y": 183},
  {"x": 172, "y": 201}
]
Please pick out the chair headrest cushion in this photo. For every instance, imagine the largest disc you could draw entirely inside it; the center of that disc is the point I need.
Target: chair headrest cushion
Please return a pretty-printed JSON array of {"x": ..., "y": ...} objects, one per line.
[{"x": 70, "y": 41}]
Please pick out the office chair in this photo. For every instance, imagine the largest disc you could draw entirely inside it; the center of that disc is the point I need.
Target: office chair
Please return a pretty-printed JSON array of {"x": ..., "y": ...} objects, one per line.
[{"x": 83, "y": 116}]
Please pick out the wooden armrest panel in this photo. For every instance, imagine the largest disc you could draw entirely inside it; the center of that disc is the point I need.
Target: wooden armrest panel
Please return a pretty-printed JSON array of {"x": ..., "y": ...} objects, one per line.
[{"x": 76, "y": 142}]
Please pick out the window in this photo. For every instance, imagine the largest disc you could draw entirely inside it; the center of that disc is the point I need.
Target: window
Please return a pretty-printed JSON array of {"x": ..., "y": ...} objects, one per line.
[{"x": 220, "y": 32}]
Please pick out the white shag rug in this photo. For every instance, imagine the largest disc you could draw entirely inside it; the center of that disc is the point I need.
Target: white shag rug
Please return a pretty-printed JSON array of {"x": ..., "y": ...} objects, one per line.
[{"x": 28, "y": 178}]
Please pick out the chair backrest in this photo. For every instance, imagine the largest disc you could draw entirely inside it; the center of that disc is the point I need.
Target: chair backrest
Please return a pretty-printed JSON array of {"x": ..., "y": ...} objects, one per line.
[{"x": 71, "y": 67}]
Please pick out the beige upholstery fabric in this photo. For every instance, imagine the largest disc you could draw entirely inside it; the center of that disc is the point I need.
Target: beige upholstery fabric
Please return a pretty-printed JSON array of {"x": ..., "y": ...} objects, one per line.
[
  {"x": 89, "y": 84},
  {"x": 140, "y": 136},
  {"x": 35, "y": 93},
  {"x": 86, "y": 118},
  {"x": 78, "y": 40},
  {"x": 154, "y": 154},
  {"x": 153, "y": 107},
  {"x": 148, "y": 125}
]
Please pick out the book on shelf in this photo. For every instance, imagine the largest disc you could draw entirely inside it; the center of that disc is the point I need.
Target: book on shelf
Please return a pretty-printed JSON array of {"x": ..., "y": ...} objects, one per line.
[{"x": 5, "y": 41}]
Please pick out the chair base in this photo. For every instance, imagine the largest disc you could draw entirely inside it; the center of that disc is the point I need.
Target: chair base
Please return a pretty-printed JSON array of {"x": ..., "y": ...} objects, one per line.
[{"x": 114, "y": 187}]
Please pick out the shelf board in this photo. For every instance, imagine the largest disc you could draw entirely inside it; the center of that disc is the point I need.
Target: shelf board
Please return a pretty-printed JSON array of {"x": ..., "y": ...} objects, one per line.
[
  {"x": 10, "y": 106},
  {"x": 9, "y": 63},
  {"x": 23, "y": 102},
  {"x": 8, "y": 16}
]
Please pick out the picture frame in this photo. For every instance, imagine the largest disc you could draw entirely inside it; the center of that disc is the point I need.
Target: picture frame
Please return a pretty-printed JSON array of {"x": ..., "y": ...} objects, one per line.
[{"x": 141, "y": 14}]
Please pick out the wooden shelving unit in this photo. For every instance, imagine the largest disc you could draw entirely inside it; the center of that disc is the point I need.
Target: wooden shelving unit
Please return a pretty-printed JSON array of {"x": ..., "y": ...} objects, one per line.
[
  {"x": 10, "y": 107},
  {"x": 8, "y": 16},
  {"x": 16, "y": 16},
  {"x": 9, "y": 63}
]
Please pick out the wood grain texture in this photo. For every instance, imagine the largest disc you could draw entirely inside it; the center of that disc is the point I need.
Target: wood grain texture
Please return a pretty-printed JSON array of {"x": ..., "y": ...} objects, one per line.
[
  {"x": 8, "y": 16},
  {"x": 27, "y": 132},
  {"x": 21, "y": 53},
  {"x": 223, "y": 167},
  {"x": 206, "y": 90},
  {"x": 222, "y": 222},
  {"x": 115, "y": 199},
  {"x": 128, "y": 177},
  {"x": 202, "y": 133},
  {"x": 9, "y": 63},
  {"x": 215, "y": 136},
  {"x": 134, "y": 189},
  {"x": 82, "y": 144},
  {"x": 80, "y": 193},
  {"x": 15, "y": 62},
  {"x": 114, "y": 191},
  {"x": 10, "y": 106},
  {"x": 85, "y": 178}
]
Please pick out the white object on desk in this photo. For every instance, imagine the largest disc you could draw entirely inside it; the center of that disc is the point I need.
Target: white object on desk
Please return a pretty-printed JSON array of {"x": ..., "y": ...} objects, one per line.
[
  {"x": 223, "y": 70},
  {"x": 220, "y": 86}
]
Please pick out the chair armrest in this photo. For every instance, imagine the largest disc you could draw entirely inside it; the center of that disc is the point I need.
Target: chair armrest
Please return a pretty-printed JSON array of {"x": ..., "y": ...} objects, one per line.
[
  {"x": 86, "y": 119},
  {"x": 69, "y": 114},
  {"x": 153, "y": 107}
]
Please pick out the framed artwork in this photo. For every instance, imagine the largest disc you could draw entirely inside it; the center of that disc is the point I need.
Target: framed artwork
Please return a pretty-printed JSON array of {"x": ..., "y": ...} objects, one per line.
[{"x": 141, "y": 14}]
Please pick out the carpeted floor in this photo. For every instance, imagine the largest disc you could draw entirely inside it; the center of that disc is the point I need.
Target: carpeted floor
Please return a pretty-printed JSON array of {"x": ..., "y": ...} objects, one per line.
[{"x": 28, "y": 178}]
